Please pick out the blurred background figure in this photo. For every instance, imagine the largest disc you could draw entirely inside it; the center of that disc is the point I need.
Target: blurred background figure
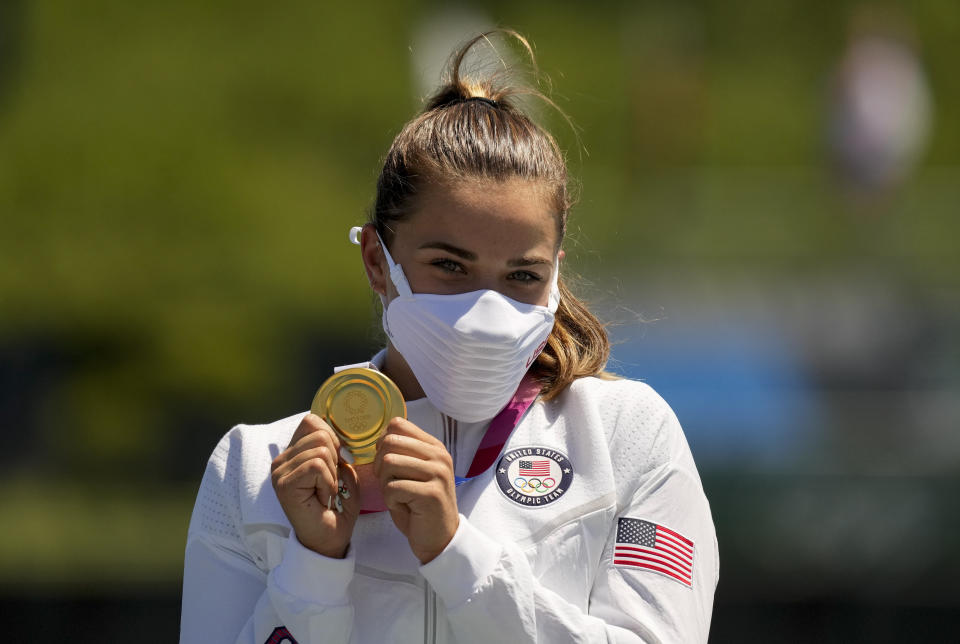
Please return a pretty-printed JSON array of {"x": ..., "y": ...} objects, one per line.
[{"x": 880, "y": 106}]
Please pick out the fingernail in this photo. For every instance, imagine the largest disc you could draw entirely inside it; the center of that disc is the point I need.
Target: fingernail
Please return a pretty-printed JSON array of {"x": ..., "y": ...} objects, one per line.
[
  {"x": 346, "y": 455},
  {"x": 329, "y": 501}
]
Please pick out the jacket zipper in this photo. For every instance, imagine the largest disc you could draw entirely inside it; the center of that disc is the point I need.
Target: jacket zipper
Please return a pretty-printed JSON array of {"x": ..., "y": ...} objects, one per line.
[
  {"x": 450, "y": 435},
  {"x": 429, "y": 615}
]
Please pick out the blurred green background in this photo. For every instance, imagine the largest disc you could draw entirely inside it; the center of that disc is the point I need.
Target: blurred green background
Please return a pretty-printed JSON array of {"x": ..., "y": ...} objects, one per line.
[{"x": 176, "y": 184}]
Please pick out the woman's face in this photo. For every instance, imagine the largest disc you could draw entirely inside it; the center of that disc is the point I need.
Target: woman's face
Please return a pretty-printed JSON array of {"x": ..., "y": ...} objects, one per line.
[{"x": 475, "y": 235}]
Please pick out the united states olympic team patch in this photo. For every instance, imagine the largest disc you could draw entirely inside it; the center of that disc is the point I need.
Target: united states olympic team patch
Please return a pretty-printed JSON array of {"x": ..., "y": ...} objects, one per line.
[{"x": 534, "y": 476}]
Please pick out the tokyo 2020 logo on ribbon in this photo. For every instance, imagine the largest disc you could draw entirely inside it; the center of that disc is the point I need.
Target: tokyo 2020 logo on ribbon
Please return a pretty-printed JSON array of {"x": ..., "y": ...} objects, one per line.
[{"x": 534, "y": 476}]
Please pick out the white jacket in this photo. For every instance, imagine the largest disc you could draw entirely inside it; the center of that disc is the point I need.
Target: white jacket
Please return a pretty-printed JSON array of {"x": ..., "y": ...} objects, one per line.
[{"x": 609, "y": 463}]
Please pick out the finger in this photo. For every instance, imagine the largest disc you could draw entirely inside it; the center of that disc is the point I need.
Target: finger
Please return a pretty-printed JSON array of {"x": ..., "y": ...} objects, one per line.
[
  {"x": 403, "y": 437},
  {"x": 410, "y": 446},
  {"x": 308, "y": 424},
  {"x": 404, "y": 445},
  {"x": 314, "y": 440},
  {"x": 399, "y": 493},
  {"x": 404, "y": 427},
  {"x": 401, "y": 466},
  {"x": 312, "y": 424},
  {"x": 323, "y": 453},
  {"x": 319, "y": 436},
  {"x": 312, "y": 477}
]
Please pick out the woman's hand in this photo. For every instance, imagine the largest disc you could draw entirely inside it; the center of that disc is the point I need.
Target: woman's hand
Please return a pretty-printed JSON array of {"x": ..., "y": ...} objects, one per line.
[
  {"x": 416, "y": 477},
  {"x": 305, "y": 477}
]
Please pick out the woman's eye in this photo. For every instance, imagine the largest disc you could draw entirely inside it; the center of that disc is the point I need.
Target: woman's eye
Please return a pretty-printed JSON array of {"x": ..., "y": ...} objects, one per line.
[
  {"x": 524, "y": 276},
  {"x": 448, "y": 265}
]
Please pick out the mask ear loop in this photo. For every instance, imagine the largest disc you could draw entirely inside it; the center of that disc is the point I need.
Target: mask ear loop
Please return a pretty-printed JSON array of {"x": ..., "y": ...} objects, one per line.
[
  {"x": 554, "y": 300},
  {"x": 396, "y": 272}
]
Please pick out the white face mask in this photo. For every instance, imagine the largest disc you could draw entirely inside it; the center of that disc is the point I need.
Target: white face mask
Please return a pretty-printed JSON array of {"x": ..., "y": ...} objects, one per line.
[{"x": 468, "y": 351}]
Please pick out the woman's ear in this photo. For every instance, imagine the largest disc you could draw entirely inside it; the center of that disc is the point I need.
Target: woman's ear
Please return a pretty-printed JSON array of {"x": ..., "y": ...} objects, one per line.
[{"x": 374, "y": 261}]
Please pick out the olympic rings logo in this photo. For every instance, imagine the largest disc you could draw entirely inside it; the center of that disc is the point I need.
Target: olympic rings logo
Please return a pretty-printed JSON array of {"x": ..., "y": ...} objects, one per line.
[{"x": 534, "y": 484}]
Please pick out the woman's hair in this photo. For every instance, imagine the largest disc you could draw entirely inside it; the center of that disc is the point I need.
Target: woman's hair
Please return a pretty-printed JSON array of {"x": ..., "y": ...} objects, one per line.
[{"x": 471, "y": 130}]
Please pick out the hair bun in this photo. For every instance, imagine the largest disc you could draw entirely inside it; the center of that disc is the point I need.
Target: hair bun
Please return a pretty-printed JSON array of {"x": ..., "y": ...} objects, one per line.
[
  {"x": 482, "y": 99},
  {"x": 487, "y": 78},
  {"x": 458, "y": 92}
]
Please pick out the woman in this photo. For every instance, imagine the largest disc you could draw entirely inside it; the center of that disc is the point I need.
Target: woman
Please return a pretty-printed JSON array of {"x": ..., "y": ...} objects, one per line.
[{"x": 527, "y": 496}]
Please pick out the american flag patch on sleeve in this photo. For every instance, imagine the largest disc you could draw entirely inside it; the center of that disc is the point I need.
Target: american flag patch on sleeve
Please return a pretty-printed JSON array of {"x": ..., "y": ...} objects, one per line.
[{"x": 647, "y": 545}]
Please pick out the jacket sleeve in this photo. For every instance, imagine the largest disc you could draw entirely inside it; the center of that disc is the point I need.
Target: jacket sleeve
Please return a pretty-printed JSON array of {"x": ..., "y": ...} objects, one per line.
[
  {"x": 230, "y": 595},
  {"x": 492, "y": 594}
]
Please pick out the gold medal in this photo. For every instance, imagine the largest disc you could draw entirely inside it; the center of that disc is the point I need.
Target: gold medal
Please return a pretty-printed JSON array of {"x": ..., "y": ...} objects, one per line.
[{"x": 357, "y": 404}]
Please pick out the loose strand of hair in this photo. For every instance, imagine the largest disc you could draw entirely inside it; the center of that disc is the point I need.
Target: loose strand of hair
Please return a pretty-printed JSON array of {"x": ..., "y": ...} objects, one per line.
[
  {"x": 456, "y": 88},
  {"x": 578, "y": 346}
]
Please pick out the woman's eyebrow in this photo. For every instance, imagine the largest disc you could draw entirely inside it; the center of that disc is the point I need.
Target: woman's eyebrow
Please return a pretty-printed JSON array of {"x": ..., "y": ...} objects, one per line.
[
  {"x": 528, "y": 261},
  {"x": 450, "y": 248},
  {"x": 472, "y": 257}
]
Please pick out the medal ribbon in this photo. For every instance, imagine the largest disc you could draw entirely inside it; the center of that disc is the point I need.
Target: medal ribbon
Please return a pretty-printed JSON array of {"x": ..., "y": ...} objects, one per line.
[{"x": 491, "y": 445}]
